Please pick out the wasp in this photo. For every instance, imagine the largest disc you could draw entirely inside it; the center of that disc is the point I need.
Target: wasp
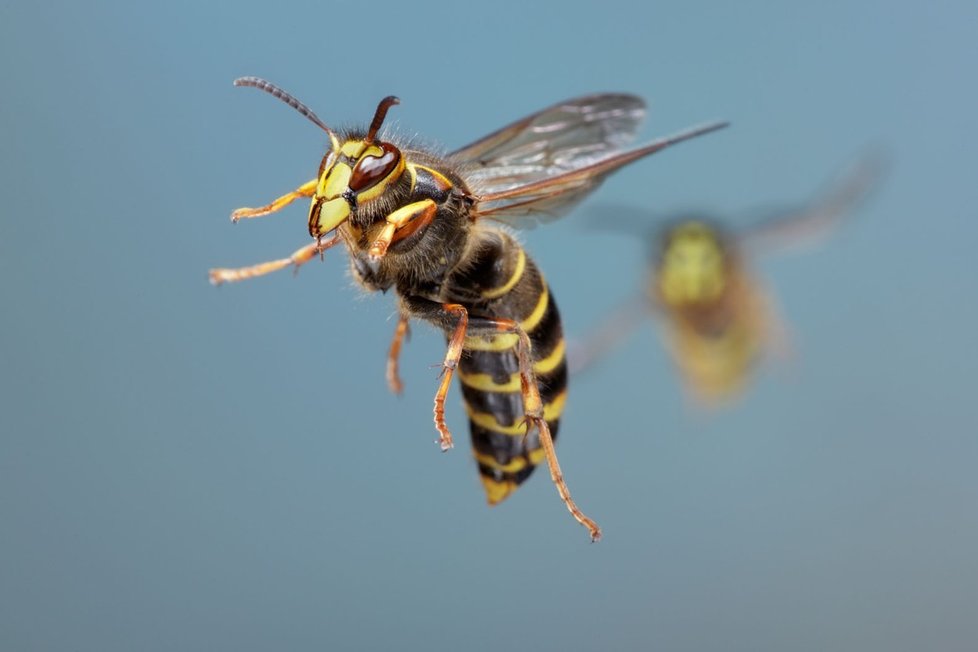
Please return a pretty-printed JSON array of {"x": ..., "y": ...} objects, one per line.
[
  {"x": 718, "y": 317},
  {"x": 433, "y": 228}
]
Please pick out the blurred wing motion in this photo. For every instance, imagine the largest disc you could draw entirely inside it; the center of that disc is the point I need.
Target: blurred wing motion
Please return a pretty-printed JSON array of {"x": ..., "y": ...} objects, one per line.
[
  {"x": 808, "y": 225},
  {"x": 538, "y": 168},
  {"x": 584, "y": 352}
]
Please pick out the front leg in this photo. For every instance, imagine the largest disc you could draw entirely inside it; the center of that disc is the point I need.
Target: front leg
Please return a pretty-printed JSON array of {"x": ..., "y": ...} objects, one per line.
[
  {"x": 305, "y": 190},
  {"x": 402, "y": 223},
  {"x": 298, "y": 258}
]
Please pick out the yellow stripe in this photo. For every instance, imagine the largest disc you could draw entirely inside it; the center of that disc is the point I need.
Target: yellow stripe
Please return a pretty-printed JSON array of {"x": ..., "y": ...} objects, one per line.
[
  {"x": 513, "y": 466},
  {"x": 550, "y": 363},
  {"x": 440, "y": 178},
  {"x": 503, "y": 342},
  {"x": 485, "y": 383},
  {"x": 513, "y": 280},
  {"x": 551, "y": 411},
  {"x": 533, "y": 320},
  {"x": 517, "y": 464},
  {"x": 496, "y": 492},
  {"x": 413, "y": 171}
]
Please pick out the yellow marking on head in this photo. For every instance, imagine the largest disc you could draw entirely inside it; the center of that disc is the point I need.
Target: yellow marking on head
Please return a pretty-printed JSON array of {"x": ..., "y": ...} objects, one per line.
[
  {"x": 513, "y": 280},
  {"x": 496, "y": 491},
  {"x": 551, "y": 411},
  {"x": 533, "y": 320},
  {"x": 334, "y": 181},
  {"x": 503, "y": 342},
  {"x": 353, "y": 148},
  {"x": 552, "y": 361},
  {"x": 485, "y": 382},
  {"x": 331, "y": 215},
  {"x": 693, "y": 267}
]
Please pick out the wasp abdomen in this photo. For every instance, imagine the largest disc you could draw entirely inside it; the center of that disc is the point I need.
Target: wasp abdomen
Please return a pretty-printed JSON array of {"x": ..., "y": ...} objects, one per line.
[{"x": 510, "y": 287}]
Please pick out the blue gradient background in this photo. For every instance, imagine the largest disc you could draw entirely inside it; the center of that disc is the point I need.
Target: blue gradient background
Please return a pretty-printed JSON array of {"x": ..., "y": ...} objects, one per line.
[{"x": 191, "y": 468}]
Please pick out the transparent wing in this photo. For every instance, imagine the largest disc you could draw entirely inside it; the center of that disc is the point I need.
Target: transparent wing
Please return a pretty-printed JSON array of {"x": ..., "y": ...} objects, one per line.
[
  {"x": 546, "y": 190},
  {"x": 560, "y": 138},
  {"x": 807, "y": 225}
]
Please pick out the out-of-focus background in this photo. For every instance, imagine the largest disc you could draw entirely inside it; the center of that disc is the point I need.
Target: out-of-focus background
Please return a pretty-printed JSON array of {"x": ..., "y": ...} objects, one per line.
[{"x": 184, "y": 467}]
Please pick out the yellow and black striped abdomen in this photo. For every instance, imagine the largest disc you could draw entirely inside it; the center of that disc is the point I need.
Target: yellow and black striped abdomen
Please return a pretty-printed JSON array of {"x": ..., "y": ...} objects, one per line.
[{"x": 511, "y": 287}]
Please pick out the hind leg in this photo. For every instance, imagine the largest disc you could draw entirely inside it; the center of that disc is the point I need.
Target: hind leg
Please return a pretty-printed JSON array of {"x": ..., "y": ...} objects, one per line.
[{"x": 488, "y": 333}]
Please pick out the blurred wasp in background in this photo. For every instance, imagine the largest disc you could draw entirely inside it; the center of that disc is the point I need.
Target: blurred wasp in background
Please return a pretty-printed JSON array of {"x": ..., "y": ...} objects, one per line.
[
  {"x": 419, "y": 222},
  {"x": 718, "y": 319}
]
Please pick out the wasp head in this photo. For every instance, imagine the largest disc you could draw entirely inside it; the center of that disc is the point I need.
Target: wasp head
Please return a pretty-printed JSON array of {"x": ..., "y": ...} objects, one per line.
[
  {"x": 354, "y": 172},
  {"x": 693, "y": 264}
]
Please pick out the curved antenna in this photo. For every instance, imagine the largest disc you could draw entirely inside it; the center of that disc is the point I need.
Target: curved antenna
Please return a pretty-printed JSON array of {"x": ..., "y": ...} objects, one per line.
[
  {"x": 379, "y": 116},
  {"x": 275, "y": 91}
]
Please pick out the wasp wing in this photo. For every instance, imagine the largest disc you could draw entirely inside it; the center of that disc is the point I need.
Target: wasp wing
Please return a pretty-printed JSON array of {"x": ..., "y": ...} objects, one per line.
[
  {"x": 546, "y": 192},
  {"x": 807, "y": 225},
  {"x": 565, "y": 136}
]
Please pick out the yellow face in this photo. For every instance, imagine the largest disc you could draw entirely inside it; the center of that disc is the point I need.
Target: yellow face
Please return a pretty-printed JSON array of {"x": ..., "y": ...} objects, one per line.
[
  {"x": 693, "y": 269},
  {"x": 354, "y": 172}
]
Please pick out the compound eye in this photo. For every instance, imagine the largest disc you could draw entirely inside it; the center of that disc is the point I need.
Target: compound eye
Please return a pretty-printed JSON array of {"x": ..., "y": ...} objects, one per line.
[{"x": 371, "y": 170}]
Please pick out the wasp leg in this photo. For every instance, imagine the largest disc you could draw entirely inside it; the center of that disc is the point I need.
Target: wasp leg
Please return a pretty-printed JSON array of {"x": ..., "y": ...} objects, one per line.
[
  {"x": 533, "y": 412},
  {"x": 298, "y": 258},
  {"x": 451, "y": 318},
  {"x": 454, "y": 317},
  {"x": 448, "y": 367},
  {"x": 400, "y": 332},
  {"x": 305, "y": 190},
  {"x": 402, "y": 223}
]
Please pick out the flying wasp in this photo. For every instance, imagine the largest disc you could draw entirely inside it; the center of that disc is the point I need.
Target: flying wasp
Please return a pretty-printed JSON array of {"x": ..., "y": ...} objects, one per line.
[
  {"x": 421, "y": 223},
  {"x": 718, "y": 318}
]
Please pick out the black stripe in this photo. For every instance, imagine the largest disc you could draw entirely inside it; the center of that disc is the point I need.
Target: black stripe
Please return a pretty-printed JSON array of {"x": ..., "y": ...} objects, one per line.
[
  {"x": 501, "y": 365},
  {"x": 552, "y": 384},
  {"x": 506, "y": 407},
  {"x": 502, "y": 476},
  {"x": 505, "y": 448}
]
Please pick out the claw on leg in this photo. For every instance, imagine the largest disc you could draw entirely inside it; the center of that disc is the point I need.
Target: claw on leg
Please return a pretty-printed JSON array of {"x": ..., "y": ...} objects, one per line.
[{"x": 448, "y": 370}]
